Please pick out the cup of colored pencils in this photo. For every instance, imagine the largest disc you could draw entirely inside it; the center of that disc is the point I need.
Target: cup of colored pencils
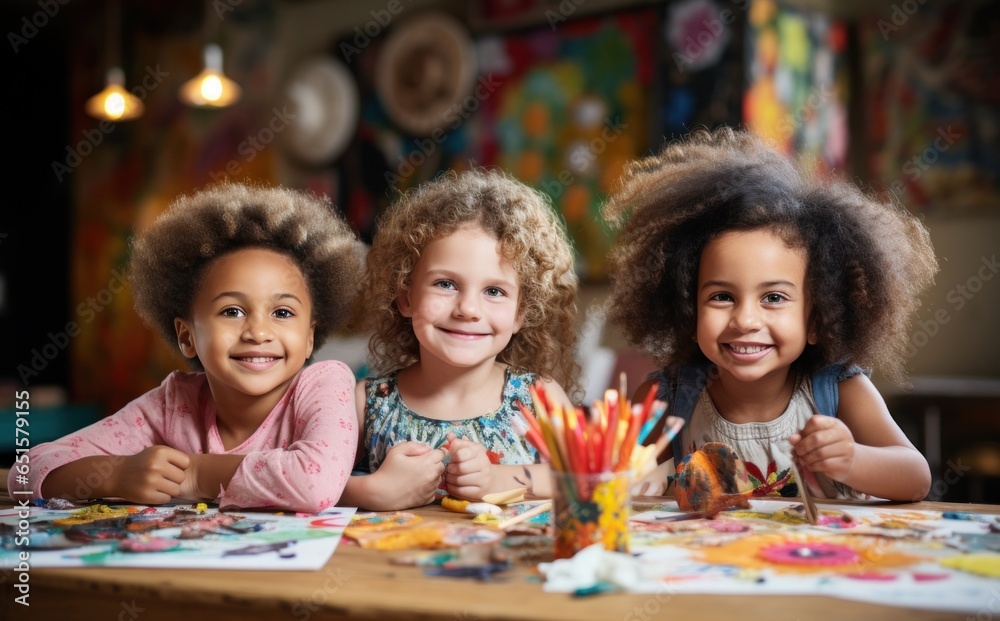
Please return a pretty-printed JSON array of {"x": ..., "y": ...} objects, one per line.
[{"x": 594, "y": 457}]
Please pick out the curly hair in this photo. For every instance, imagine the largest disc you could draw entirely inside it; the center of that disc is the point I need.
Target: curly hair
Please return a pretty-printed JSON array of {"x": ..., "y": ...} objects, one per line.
[
  {"x": 868, "y": 260},
  {"x": 530, "y": 236},
  {"x": 169, "y": 258}
]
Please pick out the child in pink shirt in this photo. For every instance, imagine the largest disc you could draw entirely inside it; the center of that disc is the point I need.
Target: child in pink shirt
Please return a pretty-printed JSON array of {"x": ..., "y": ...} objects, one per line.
[{"x": 245, "y": 281}]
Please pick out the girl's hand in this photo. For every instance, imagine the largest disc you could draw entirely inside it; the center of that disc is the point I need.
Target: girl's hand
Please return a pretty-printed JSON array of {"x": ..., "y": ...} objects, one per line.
[
  {"x": 469, "y": 473},
  {"x": 152, "y": 476},
  {"x": 825, "y": 445},
  {"x": 413, "y": 474}
]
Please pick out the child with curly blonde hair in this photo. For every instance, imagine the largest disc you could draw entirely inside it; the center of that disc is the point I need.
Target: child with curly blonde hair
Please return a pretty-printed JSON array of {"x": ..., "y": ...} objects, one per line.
[
  {"x": 471, "y": 286},
  {"x": 244, "y": 282},
  {"x": 760, "y": 291}
]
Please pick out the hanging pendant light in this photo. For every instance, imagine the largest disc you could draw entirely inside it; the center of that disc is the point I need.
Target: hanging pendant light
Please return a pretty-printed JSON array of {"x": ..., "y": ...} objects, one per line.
[
  {"x": 114, "y": 103},
  {"x": 211, "y": 88}
]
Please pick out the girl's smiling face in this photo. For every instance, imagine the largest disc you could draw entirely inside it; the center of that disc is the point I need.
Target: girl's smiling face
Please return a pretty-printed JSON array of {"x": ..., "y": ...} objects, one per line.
[
  {"x": 463, "y": 299},
  {"x": 250, "y": 325},
  {"x": 753, "y": 307}
]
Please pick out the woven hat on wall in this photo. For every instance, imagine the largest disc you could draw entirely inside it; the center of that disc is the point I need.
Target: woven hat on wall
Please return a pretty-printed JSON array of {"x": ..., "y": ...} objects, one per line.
[
  {"x": 426, "y": 67},
  {"x": 322, "y": 99}
]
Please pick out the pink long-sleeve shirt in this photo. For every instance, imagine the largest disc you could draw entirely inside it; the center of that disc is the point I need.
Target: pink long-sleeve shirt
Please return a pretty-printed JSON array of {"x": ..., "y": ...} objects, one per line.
[{"x": 299, "y": 459}]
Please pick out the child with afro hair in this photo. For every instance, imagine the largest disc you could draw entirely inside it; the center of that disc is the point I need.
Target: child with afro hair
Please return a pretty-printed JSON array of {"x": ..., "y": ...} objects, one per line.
[
  {"x": 762, "y": 291},
  {"x": 244, "y": 281}
]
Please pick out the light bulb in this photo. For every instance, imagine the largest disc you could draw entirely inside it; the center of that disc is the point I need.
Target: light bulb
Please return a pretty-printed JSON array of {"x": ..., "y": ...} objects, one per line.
[
  {"x": 114, "y": 103},
  {"x": 211, "y": 88}
]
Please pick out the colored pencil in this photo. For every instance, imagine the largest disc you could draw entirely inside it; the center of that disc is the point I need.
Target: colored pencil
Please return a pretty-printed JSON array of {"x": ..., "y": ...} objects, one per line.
[
  {"x": 610, "y": 439},
  {"x": 534, "y": 437},
  {"x": 659, "y": 408},
  {"x": 529, "y": 417}
]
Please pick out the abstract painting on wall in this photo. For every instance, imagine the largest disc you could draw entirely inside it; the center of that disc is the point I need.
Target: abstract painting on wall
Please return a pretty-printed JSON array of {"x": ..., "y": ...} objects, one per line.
[
  {"x": 932, "y": 106},
  {"x": 562, "y": 108},
  {"x": 797, "y": 79},
  {"x": 702, "y": 66},
  {"x": 569, "y": 109},
  {"x": 129, "y": 172}
]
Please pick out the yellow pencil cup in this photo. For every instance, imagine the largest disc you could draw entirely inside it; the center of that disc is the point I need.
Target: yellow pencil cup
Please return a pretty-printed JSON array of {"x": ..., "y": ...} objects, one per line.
[{"x": 588, "y": 508}]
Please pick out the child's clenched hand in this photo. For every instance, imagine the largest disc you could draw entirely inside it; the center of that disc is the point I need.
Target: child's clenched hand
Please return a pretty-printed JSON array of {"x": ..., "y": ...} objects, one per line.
[
  {"x": 469, "y": 474},
  {"x": 152, "y": 476},
  {"x": 826, "y": 445}
]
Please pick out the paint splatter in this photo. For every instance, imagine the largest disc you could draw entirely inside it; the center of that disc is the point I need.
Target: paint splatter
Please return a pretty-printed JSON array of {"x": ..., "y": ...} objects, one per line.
[{"x": 809, "y": 553}]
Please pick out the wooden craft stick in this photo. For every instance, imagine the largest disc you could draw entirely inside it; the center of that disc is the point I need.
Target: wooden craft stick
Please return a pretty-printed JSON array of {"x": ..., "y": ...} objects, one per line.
[
  {"x": 527, "y": 515},
  {"x": 507, "y": 497}
]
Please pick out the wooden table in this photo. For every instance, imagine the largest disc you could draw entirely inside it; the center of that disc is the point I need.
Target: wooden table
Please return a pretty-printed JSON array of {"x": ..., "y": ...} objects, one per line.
[{"x": 362, "y": 584}]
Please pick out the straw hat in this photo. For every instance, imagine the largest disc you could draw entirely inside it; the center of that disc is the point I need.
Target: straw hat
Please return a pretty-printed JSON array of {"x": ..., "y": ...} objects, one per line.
[
  {"x": 322, "y": 100},
  {"x": 426, "y": 67}
]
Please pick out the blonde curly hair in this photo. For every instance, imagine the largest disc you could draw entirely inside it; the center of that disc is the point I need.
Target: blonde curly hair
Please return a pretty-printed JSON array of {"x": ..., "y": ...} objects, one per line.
[
  {"x": 169, "y": 258},
  {"x": 869, "y": 260},
  {"x": 530, "y": 236}
]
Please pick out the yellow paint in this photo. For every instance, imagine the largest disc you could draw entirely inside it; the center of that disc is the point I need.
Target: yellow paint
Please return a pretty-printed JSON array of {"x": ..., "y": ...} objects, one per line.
[
  {"x": 755, "y": 515},
  {"x": 987, "y": 565},
  {"x": 90, "y": 514},
  {"x": 744, "y": 553},
  {"x": 457, "y": 505},
  {"x": 420, "y": 537}
]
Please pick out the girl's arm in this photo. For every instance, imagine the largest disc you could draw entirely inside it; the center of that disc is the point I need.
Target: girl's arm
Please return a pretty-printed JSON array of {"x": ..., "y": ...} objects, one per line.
[
  {"x": 408, "y": 477},
  {"x": 121, "y": 456},
  {"x": 309, "y": 473},
  {"x": 502, "y": 478},
  {"x": 152, "y": 476},
  {"x": 207, "y": 473},
  {"x": 863, "y": 447}
]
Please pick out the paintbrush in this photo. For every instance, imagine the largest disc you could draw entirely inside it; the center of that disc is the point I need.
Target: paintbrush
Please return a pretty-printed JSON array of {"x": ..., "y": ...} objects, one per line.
[{"x": 808, "y": 504}]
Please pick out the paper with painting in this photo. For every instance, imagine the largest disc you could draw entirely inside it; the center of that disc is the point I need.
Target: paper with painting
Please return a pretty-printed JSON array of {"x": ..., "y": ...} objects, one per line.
[
  {"x": 872, "y": 553},
  {"x": 181, "y": 536}
]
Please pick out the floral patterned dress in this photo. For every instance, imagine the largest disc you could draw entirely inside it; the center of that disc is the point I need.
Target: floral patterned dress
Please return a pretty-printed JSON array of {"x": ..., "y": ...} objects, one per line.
[{"x": 389, "y": 422}]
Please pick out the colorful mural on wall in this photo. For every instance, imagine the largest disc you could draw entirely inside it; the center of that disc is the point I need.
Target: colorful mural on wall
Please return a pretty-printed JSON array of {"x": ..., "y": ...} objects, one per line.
[
  {"x": 125, "y": 176},
  {"x": 702, "y": 66},
  {"x": 570, "y": 109},
  {"x": 562, "y": 108},
  {"x": 932, "y": 105},
  {"x": 797, "y": 79}
]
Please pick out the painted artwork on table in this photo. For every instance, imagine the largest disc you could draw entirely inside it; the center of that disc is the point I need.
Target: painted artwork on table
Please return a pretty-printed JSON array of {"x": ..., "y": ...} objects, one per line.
[
  {"x": 797, "y": 83},
  {"x": 873, "y": 553},
  {"x": 181, "y": 536},
  {"x": 932, "y": 106}
]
